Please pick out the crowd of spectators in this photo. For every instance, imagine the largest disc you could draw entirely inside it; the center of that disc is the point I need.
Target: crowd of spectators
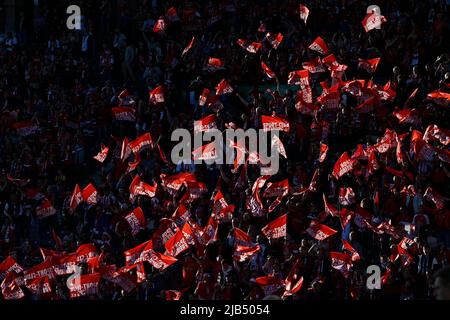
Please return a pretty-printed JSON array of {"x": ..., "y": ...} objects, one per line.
[{"x": 65, "y": 82}]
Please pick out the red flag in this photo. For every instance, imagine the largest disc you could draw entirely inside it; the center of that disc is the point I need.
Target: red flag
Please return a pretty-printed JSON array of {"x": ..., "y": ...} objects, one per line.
[
  {"x": 277, "y": 189},
  {"x": 435, "y": 197},
  {"x": 345, "y": 216},
  {"x": 362, "y": 217},
  {"x": 197, "y": 232},
  {"x": 388, "y": 141},
  {"x": 343, "y": 166},
  {"x": 10, "y": 288},
  {"x": 347, "y": 246},
  {"x": 252, "y": 47},
  {"x": 160, "y": 25},
  {"x": 274, "y": 204},
  {"x": 172, "y": 15},
  {"x": 411, "y": 96},
  {"x": 304, "y": 13},
  {"x": 219, "y": 203},
  {"x": 125, "y": 98},
  {"x": 124, "y": 114},
  {"x": 46, "y": 209},
  {"x": 385, "y": 276},
  {"x": 39, "y": 285},
  {"x": 222, "y": 211},
  {"x": 214, "y": 64},
  {"x": 422, "y": 150},
  {"x": 270, "y": 284},
  {"x": 330, "y": 100},
  {"x": 439, "y": 97},
  {"x": 342, "y": 262},
  {"x": 319, "y": 231},
  {"x": 405, "y": 257},
  {"x": 125, "y": 149},
  {"x": 204, "y": 97},
  {"x": 330, "y": 61},
  {"x": 42, "y": 269},
  {"x": 206, "y": 152},
  {"x": 433, "y": 132},
  {"x": 136, "y": 220},
  {"x": 63, "y": 264},
  {"x": 139, "y": 253},
  {"x": 101, "y": 156},
  {"x": 386, "y": 227},
  {"x": 173, "y": 295},
  {"x": 387, "y": 92},
  {"x": 407, "y": 116},
  {"x": 360, "y": 153},
  {"x": 85, "y": 252},
  {"x": 176, "y": 244},
  {"x": 90, "y": 194},
  {"x": 223, "y": 88},
  {"x": 210, "y": 231},
  {"x": 369, "y": 65},
  {"x": 401, "y": 157},
  {"x": 242, "y": 239},
  {"x": 206, "y": 123},
  {"x": 189, "y": 233},
  {"x": 313, "y": 66},
  {"x": 323, "y": 152},
  {"x": 254, "y": 203},
  {"x": 195, "y": 190},
  {"x": 140, "y": 143},
  {"x": 156, "y": 95},
  {"x": 138, "y": 187},
  {"x": 354, "y": 87},
  {"x": 181, "y": 215},
  {"x": 319, "y": 45},
  {"x": 267, "y": 70},
  {"x": 276, "y": 228},
  {"x": 313, "y": 184},
  {"x": 124, "y": 280},
  {"x": 174, "y": 182},
  {"x": 242, "y": 253},
  {"x": 293, "y": 282},
  {"x": 373, "y": 21},
  {"x": 9, "y": 265},
  {"x": 274, "y": 40},
  {"x": 50, "y": 253},
  {"x": 299, "y": 77},
  {"x": 278, "y": 146},
  {"x": 83, "y": 285},
  {"x": 189, "y": 46},
  {"x": 330, "y": 209},
  {"x": 274, "y": 123},
  {"x": 304, "y": 102},
  {"x": 372, "y": 164}
]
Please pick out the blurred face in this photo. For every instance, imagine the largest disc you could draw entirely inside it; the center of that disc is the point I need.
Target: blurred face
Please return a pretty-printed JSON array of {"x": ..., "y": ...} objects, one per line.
[{"x": 440, "y": 291}]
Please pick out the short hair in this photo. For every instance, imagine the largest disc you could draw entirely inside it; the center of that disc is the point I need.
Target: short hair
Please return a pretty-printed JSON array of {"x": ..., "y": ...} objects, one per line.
[{"x": 444, "y": 275}]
